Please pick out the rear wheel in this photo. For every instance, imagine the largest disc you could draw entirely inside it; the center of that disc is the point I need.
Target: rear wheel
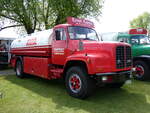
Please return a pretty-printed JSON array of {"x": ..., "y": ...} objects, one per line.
[
  {"x": 78, "y": 83},
  {"x": 141, "y": 70},
  {"x": 19, "y": 69}
]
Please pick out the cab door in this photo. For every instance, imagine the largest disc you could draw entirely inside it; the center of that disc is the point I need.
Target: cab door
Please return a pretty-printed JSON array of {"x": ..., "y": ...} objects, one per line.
[{"x": 59, "y": 46}]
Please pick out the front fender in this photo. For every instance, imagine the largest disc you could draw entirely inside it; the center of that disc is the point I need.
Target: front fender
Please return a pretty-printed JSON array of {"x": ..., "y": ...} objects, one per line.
[{"x": 83, "y": 58}]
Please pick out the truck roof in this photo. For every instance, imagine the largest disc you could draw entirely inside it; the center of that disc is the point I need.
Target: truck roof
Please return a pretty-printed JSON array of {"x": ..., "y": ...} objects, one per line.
[
  {"x": 62, "y": 25},
  {"x": 126, "y": 35},
  {"x": 71, "y": 21},
  {"x": 67, "y": 25}
]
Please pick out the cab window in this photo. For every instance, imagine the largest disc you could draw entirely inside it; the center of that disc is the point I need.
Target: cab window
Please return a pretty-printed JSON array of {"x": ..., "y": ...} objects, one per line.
[
  {"x": 134, "y": 41},
  {"x": 140, "y": 39},
  {"x": 82, "y": 33},
  {"x": 60, "y": 34}
]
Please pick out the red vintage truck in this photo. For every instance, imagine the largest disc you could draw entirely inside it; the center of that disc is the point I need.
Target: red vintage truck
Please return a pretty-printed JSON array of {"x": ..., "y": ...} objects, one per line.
[{"x": 73, "y": 51}]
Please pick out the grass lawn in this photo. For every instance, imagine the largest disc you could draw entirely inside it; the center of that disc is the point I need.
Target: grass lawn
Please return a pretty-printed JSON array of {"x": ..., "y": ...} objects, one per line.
[{"x": 36, "y": 95}]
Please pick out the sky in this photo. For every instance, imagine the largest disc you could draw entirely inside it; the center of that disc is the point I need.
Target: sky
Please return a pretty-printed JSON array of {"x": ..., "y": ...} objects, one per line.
[{"x": 116, "y": 15}]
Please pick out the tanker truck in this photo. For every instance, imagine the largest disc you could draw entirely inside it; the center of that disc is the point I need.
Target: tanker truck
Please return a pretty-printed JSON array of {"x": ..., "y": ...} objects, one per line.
[{"x": 73, "y": 52}]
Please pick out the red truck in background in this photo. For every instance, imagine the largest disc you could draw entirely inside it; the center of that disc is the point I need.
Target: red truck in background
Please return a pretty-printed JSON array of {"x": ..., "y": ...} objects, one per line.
[{"x": 73, "y": 51}]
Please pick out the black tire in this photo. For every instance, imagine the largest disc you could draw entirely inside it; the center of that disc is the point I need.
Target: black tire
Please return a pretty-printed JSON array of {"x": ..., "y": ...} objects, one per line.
[
  {"x": 115, "y": 85},
  {"x": 19, "y": 69},
  {"x": 85, "y": 86},
  {"x": 145, "y": 70}
]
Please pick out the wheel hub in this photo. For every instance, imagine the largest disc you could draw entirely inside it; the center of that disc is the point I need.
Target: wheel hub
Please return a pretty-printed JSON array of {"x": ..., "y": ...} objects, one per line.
[
  {"x": 139, "y": 70},
  {"x": 75, "y": 83}
]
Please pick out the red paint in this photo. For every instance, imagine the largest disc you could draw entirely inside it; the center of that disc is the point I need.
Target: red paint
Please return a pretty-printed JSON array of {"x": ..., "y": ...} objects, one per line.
[
  {"x": 80, "y": 22},
  {"x": 36, "y": 66},
  {"x": 75, "y": 82},
  {"x": 31, "y": 42},
  {"x": 33, "y": 51},
  {"x": 13, "y": 61},
  {"x": 59, "y": 50},
  {"x": 55, "y": 73},
  {"x": 139, "y": 71},
  {"x": 138, "y": 31}
]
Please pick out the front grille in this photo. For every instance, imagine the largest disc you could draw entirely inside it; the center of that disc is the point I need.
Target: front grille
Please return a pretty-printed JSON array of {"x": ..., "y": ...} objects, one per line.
[
  {"x": 120, "y": 57},
  {"x": 123, "y": 57}
]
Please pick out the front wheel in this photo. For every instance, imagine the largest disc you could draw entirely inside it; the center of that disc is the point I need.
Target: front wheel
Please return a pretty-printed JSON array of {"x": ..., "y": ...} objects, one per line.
[
  {"x": 141, "y": 70},
  {"x": 78, "y": 83}
]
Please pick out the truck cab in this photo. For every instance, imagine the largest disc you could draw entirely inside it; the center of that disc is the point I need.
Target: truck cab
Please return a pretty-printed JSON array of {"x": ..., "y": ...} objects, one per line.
[
  {"x": 140, "y": 43},
  {"x": 72, "y": 51}
]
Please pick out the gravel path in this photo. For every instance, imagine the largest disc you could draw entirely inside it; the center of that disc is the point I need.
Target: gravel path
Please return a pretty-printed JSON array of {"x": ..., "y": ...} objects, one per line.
[{"x": 7, "y": 72}]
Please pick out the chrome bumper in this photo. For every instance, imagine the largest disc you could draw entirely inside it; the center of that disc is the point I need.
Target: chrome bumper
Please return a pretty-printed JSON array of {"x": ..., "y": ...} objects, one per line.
[{"x": 114, "y": 73}]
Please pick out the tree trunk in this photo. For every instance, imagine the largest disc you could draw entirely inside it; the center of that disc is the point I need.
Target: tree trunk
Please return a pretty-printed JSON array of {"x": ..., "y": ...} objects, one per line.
[
  {"x": 29, "y": 31},
  {"x": 60, "y": 20},
  {"x": 57, "y": 20}
]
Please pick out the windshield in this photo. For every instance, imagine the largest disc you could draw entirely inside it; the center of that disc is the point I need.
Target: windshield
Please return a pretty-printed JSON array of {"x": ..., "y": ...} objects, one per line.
[
  {"x": 83, "y": 33},
  {"x": 140, "y": 39}
]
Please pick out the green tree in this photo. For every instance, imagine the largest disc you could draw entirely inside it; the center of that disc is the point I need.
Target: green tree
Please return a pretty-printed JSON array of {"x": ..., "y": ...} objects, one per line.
[
  {"x": 142, "y": 21},
  {"x": 20, "y": 12},
  {"x": 76, "y": 8},
  {"x": 53, "y": 12},
  {"x": 44, "y": 14}
]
